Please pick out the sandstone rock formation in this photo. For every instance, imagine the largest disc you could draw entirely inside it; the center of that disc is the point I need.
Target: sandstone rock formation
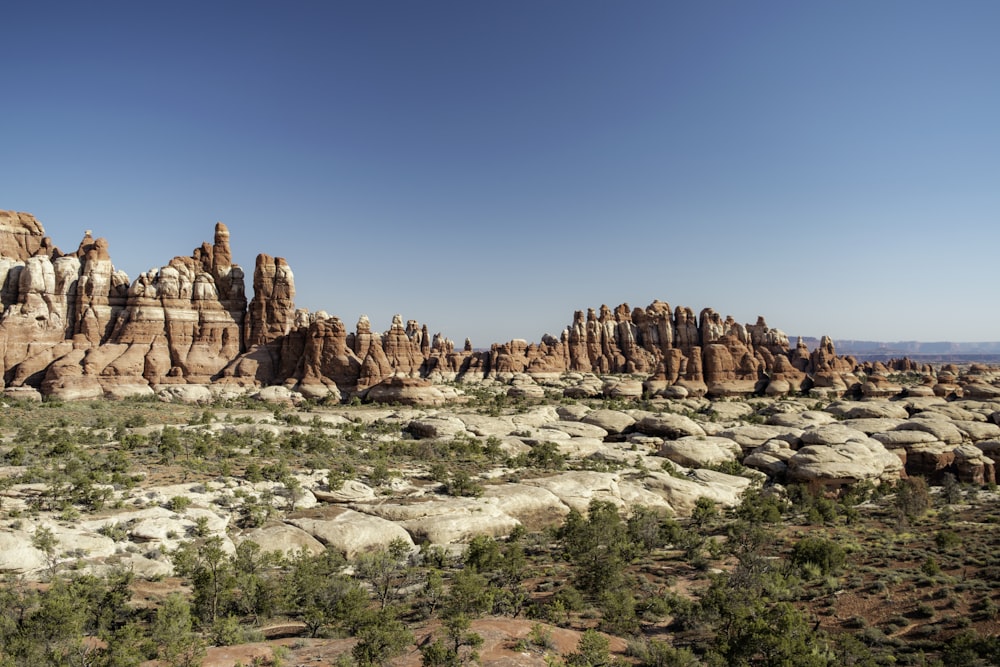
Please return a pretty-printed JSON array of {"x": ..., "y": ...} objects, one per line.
[{"x": 74, "y": 327}]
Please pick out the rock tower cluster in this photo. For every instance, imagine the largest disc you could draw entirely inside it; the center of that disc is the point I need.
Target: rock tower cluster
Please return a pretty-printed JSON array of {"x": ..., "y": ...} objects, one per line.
[{"x": 73, "y": 327}]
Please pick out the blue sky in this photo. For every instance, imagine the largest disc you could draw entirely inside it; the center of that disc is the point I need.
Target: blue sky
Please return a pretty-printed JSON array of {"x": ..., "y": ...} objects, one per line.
[{"x": 488, "y": 168}]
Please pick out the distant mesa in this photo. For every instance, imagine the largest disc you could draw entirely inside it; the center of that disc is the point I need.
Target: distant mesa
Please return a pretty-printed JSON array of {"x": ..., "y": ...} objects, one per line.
[{"x": 73, "y": 327}]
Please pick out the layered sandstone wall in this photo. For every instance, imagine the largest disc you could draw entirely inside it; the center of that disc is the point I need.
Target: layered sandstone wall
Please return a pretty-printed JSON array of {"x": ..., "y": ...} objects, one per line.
[{"x": 74, "y": 327}]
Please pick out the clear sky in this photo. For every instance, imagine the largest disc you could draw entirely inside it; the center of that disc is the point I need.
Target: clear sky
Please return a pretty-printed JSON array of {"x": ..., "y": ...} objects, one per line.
[{"x": 490, "y": 167}]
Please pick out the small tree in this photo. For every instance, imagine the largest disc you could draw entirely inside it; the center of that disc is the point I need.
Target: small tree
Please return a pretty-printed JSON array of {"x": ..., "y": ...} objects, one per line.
[
  {"x": 591, "y": 651},
  {"x": 176, "y": 643},
  {"x": 470, "y": 595},
  {"x": 951, "y": 490},
  {"x": 912, "y": 500},
  {"x": 599, "y": 545},
  {"x": 45, "y": 541},
  {"x": 293, "y": 490},
  {"x": 758, "y": 507},
  {"x": 209, "y": 568},
  {"x": 704, "y": 512},
  {"x": 381, "y": 640},
  {"x": 482, "y": 554},
  {"x": 386, "y": 570},
  {"x": 322, "y": 594},
  {"x": 459, "y": 647}
]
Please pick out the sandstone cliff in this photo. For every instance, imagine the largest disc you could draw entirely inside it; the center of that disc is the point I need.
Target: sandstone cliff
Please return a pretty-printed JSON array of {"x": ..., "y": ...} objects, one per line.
[{"x": 74, "y": 327}]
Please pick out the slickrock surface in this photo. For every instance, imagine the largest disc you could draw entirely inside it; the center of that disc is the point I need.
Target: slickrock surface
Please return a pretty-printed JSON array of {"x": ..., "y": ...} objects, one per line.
[{"x": 659, "y": 457}]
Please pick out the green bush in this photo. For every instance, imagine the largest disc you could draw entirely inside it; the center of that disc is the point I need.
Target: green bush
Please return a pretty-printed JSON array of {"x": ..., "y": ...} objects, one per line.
[
  {"x": 947, "y": 540},
  {"x": 178, "y": 503},
  {"x": 828, "y": 556}
]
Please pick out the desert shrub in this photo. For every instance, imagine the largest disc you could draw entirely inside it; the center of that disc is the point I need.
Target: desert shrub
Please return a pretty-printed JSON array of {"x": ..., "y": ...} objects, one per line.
[
  {"x": 759, "y": 507},
  {"x": 618, "y": 612},
  {"x": 178, "y": 503},
  {"x": 912, "y": 499},
  {"x": 541, "y": 636},
  {"x": 704, "y": 513},
  {"x": 461, "y": 484},
  {"x": 947, "y": 540},
  {"x": 653, "y": 653},
  {"x": 824, "y": 554},
  {"x": 988, "y": 608},
  {"x": 930, "y": 566},
  {"x": 115, "y": 531},
  {"x": 379, "y": 474},
  {"x": 544, "y": 455},
  {"x": 652, "y": 528},
  {"x": 381, "y": 640},
  {"x": 591, "y": 651}
]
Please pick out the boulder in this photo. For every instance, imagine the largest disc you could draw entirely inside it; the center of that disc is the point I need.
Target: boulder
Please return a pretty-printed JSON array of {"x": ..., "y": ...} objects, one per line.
[
  {"x": 669, "y": 426},
  {"x": 528, "y": 390},
  {"x": 146, "y": 567},
  {"x": 622, "y": 388},
  {"x": 800, "y": 420},
  {"x": 278, "y": 394},
  {"x": 577, "y": 429},
  {"x": 573, "y": 412},
  {"x": 977, "y": 430},
  {"x": 989, "y": 447},
  {"x": 730, "y": 410},
  {"x": 351, "y": 532},
  {"x": 832, "y": 434},
  {"x": 682, "y": 494},
  {"x": 700, "y": 451},
  {"x": 185, "y": 393},
  {"x": 581, "y": 448},
  {"x": 612, "y": 421},
  {"x": 349, "y": 491},
  {"x": 973, "y": 467},
  {"x": 409, "y": 391},
  {"x": 876, "y": 410},
  {"x": 461, "y": 528},
  {"x": 844, "y": 463},
  {"x": 749, "y": 436},
  {"x": 771, "y": 457},
  {"x": 872, "y": 425},
  {"x": 436, "y": 426},
  {"x": 903, "y": 439},
  {"x": 939, "y": 427},
  {"x": 283, "y": 538},
  {"x": 577, "y": 489},
  {"x": 588, "y": 386},
  {"x": 931, "y": 460},
  {"x": 485, "y": 426},
  {"x": 17, "y": 555},
  {"x": 952, "y": 412},
  {"x": 981, "y": 391},
  {"x": 533, "y": 506}
]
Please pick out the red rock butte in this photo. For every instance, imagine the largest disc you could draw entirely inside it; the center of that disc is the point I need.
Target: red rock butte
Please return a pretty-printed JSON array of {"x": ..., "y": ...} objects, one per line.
[{"x": 73, "y": 327}]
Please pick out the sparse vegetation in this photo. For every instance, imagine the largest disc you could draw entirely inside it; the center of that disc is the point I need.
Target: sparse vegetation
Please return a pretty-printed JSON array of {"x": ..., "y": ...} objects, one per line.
[{"x": 792, "y": 575}]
